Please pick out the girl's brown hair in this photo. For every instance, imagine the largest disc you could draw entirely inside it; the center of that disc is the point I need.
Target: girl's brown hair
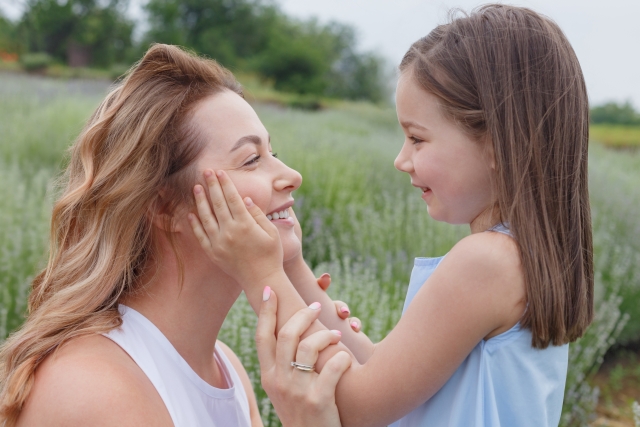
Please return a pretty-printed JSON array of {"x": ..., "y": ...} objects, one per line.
[
  {"x": 134, "y": 157},
  {"x": 509, "y": 75}
]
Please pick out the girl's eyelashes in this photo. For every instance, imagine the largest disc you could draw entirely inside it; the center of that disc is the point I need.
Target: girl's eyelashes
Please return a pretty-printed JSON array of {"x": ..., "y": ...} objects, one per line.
[{"x": 415, "y": 140}]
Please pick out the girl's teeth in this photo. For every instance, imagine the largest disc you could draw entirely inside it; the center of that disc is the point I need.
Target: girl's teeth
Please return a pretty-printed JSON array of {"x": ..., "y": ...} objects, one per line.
[
  {"x": 269, "y": 217},
  {"x": 279, "y": 215},
  {"x": 276, "y": 215}
]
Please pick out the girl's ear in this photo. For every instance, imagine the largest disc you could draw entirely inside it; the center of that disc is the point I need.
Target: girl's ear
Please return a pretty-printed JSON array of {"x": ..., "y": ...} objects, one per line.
[{"x": 490, "y": 153}]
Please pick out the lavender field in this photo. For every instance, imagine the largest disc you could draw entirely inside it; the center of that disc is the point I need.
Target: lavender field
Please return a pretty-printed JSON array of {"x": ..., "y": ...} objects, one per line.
[{"x": 360, "y": 219}]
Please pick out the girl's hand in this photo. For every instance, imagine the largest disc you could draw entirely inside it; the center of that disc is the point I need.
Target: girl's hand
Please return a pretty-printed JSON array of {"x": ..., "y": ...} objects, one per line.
[
  {"x": 237, "y": 236},
  {"x": 324, "y": 281},
  {"x": 300, "y": 398}
]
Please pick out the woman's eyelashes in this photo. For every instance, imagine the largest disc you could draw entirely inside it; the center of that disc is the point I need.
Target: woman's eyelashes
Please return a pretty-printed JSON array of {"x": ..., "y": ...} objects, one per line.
[{"x": 256, "y": 158}]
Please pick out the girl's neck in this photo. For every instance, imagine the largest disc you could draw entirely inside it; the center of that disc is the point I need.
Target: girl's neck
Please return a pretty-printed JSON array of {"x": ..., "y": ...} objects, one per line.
[
  {"x": 487, "y": 219},
  {"x": 189, "y": 315}
]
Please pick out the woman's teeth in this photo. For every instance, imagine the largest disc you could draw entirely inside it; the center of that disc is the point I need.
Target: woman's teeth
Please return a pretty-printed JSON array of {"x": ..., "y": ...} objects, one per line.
[{"x": 278, "y": 215}]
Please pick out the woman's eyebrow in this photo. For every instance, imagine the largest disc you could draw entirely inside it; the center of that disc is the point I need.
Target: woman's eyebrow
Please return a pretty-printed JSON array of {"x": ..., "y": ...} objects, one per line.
[{"x": 249, "y": 139}]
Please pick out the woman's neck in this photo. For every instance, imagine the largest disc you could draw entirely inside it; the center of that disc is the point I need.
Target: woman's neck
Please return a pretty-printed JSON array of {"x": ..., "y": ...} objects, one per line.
[{"x": 189, "y": 315}]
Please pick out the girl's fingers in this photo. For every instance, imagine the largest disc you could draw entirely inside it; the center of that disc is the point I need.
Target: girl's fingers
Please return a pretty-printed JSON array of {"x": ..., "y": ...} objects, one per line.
[
  {"x": 209, "y": 222},
  {"x": 342, "y": 309},
  {"x": 309, "y": 347},
  {"x": 218, "y": 201},
  {"x": 355, "y": 324},
  {"x": 331, "y": 373},
  {"x": 266, "y": 330},
  {"x": 233, "y": 200},
  {"x": 290, "y": 333},
  {"x": 199, "y": 232},
  {"x": 324, "y": 281},
  {"x": 258, "y": 215}
]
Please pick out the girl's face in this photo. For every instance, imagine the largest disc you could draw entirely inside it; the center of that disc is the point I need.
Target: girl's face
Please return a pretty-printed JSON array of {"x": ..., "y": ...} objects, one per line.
[
  {"x": 452, "y": 170},
  {"x": 239, "y": 144}
]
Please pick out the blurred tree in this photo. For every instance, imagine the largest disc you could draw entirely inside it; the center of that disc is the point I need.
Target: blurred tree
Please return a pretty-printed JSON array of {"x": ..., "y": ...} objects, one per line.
[
  {"x": 8, "y": 40},
  {"x": 614, "y": 113},
  {"x": 254, "y": 35},
  {"x": 81, "y": 32}
]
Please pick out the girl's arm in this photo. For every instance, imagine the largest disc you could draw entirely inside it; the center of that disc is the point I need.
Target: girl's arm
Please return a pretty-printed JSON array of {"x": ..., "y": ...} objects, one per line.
[{"x": 473, "y": 294}]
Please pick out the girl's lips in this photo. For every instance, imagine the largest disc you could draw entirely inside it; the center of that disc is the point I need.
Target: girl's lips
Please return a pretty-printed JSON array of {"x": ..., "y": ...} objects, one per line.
[
  {"x": 284, "y": 221},
  {"x": 426, "y": 193}
]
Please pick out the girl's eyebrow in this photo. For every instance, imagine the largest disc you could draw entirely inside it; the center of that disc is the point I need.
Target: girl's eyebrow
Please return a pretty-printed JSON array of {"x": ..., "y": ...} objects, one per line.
[
  {"x": 248, "y": 139},
  {"x": 409, "y": 123}
]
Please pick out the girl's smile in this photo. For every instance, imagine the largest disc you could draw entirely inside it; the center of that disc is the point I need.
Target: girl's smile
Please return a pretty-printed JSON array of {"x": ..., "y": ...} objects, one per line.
[{"x": 453, "y": 171}]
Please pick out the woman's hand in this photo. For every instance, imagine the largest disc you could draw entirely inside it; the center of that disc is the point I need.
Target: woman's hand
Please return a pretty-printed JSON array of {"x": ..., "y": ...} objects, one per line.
[
  {"x": 237, "y": 236},
  {"x": 300, "y": 398}
]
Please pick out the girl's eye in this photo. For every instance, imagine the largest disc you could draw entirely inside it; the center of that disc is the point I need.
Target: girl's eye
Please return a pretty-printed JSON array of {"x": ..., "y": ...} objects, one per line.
[
  {"x": 252, "y": 161},
  {"x": 415, "y": 140}
]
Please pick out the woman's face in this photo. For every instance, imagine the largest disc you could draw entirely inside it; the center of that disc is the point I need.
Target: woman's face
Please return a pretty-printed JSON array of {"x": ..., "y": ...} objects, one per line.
[{"x": 238, "y": 143}]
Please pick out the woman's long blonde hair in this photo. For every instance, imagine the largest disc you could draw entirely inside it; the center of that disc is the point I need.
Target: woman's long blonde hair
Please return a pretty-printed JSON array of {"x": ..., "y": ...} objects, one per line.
[{"x": 138, "y": 144}]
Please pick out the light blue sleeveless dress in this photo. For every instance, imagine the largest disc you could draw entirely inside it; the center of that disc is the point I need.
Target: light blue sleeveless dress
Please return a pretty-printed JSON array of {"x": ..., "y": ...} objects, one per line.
[{"x": 504, "y": 382}]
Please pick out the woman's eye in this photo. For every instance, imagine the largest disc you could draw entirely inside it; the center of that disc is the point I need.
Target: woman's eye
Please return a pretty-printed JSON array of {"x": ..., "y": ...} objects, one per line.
[
  {"x": 252, "y": 161},
  {"x": 415, "y": 140}
]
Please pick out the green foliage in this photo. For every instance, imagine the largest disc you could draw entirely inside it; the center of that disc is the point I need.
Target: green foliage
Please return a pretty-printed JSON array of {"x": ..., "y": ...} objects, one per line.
[
  {"x": 615, "y": 114},
  {"x": 37, "y": 61},
  {"x": 8, "y": 39},
  {"x": 362, "y": 221},
  {"x": 302, "y": 57},
  {"x": 100, "y": 29},
  {"x": 616, "y": 136}
]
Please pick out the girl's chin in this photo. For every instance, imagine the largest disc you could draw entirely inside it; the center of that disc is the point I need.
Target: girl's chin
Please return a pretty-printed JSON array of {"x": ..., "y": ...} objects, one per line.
[{"x": 291, "y": 247}]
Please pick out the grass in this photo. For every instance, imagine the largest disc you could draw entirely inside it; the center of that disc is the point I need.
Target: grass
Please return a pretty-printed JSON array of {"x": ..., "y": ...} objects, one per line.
[
  {"x": 362, "y": 221},
  {"x": 616, "y": 136}
]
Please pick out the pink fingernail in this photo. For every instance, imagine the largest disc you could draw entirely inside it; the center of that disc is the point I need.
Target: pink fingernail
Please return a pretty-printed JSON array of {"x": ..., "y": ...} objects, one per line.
[
  {"x": 337, "y": 332},
  {"x": 197, "y": 189},
  {"x": 345, "y": 310},
  {"x": 315, "y": 306},
  {"x": 219, "y": 174},
  {"x": 325, "y": 275},
  {"x": 266, "y": 293},
  {"x": 354, "y": 325},
  {"x": 208, "y": 173},
  {"x": 248, "y": 202}
]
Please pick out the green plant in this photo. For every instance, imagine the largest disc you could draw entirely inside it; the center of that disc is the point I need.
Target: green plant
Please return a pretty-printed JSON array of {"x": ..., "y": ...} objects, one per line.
[{"x": 38, "y": 61}]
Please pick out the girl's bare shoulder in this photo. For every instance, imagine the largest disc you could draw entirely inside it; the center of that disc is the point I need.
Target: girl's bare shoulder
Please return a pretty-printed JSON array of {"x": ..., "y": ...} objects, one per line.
[{"x": 90, "y": 380}]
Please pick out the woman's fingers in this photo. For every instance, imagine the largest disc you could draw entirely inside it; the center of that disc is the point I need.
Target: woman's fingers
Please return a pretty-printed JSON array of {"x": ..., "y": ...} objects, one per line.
[
  {"x": 218, "y": 200},
  {"x": 355, "y": 324},
  {"x": 266, "y": 330},
  {"x": 324, "y": 281},
  {"x": 331, "y": 374},
  {"x": 290, "y": 333},
  {"x": 309, "y": 347}
]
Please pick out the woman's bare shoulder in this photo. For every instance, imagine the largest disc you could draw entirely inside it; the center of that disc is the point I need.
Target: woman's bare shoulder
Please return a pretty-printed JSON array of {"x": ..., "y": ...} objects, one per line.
[{"x": 90, "y": 380}]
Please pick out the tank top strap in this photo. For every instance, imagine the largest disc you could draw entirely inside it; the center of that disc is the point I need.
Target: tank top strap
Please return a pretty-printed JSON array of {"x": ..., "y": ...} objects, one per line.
[{"x": 501, "y": 227}]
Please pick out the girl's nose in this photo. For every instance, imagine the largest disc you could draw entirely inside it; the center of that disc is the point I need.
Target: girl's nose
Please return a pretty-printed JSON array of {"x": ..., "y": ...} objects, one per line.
[{"x": 403, "y": 160}]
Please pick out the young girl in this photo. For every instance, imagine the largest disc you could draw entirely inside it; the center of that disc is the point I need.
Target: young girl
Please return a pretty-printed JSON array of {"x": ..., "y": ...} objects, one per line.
[{"x": 495, "y": 114}]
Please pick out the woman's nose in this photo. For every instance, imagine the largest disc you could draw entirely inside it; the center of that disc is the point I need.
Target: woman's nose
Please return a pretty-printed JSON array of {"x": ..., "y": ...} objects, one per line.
[
  {"x": 288, "y": 179},
  {"x": 403, "y": 160}
]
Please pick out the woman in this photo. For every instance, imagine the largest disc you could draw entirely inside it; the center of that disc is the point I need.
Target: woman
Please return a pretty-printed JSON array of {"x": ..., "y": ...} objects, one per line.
[{"x": 123, "y": 321}]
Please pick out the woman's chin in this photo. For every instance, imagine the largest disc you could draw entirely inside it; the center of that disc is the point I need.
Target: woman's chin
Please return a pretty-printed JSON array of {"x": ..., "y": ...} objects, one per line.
[{"x": 291, "y": 246}]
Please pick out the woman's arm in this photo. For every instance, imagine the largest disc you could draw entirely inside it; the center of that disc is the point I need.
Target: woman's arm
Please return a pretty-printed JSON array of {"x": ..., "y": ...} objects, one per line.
[{"x": 471, "y": 295}]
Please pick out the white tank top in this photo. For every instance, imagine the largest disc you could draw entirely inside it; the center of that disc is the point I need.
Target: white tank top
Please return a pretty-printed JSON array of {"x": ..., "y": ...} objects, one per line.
[{"x": 190, "y": 400}]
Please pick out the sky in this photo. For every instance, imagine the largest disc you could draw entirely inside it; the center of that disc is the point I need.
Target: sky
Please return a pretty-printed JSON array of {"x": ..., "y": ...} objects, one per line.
[{"x": 604, "y": 33}]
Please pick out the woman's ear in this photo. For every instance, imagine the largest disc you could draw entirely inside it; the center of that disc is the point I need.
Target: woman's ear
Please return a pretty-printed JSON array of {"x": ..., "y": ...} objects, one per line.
[{"x": 159, "y": 216}]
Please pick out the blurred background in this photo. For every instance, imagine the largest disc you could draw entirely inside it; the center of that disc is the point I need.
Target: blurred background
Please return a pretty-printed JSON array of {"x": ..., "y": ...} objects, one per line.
[{"x": 321, "y": 75}]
